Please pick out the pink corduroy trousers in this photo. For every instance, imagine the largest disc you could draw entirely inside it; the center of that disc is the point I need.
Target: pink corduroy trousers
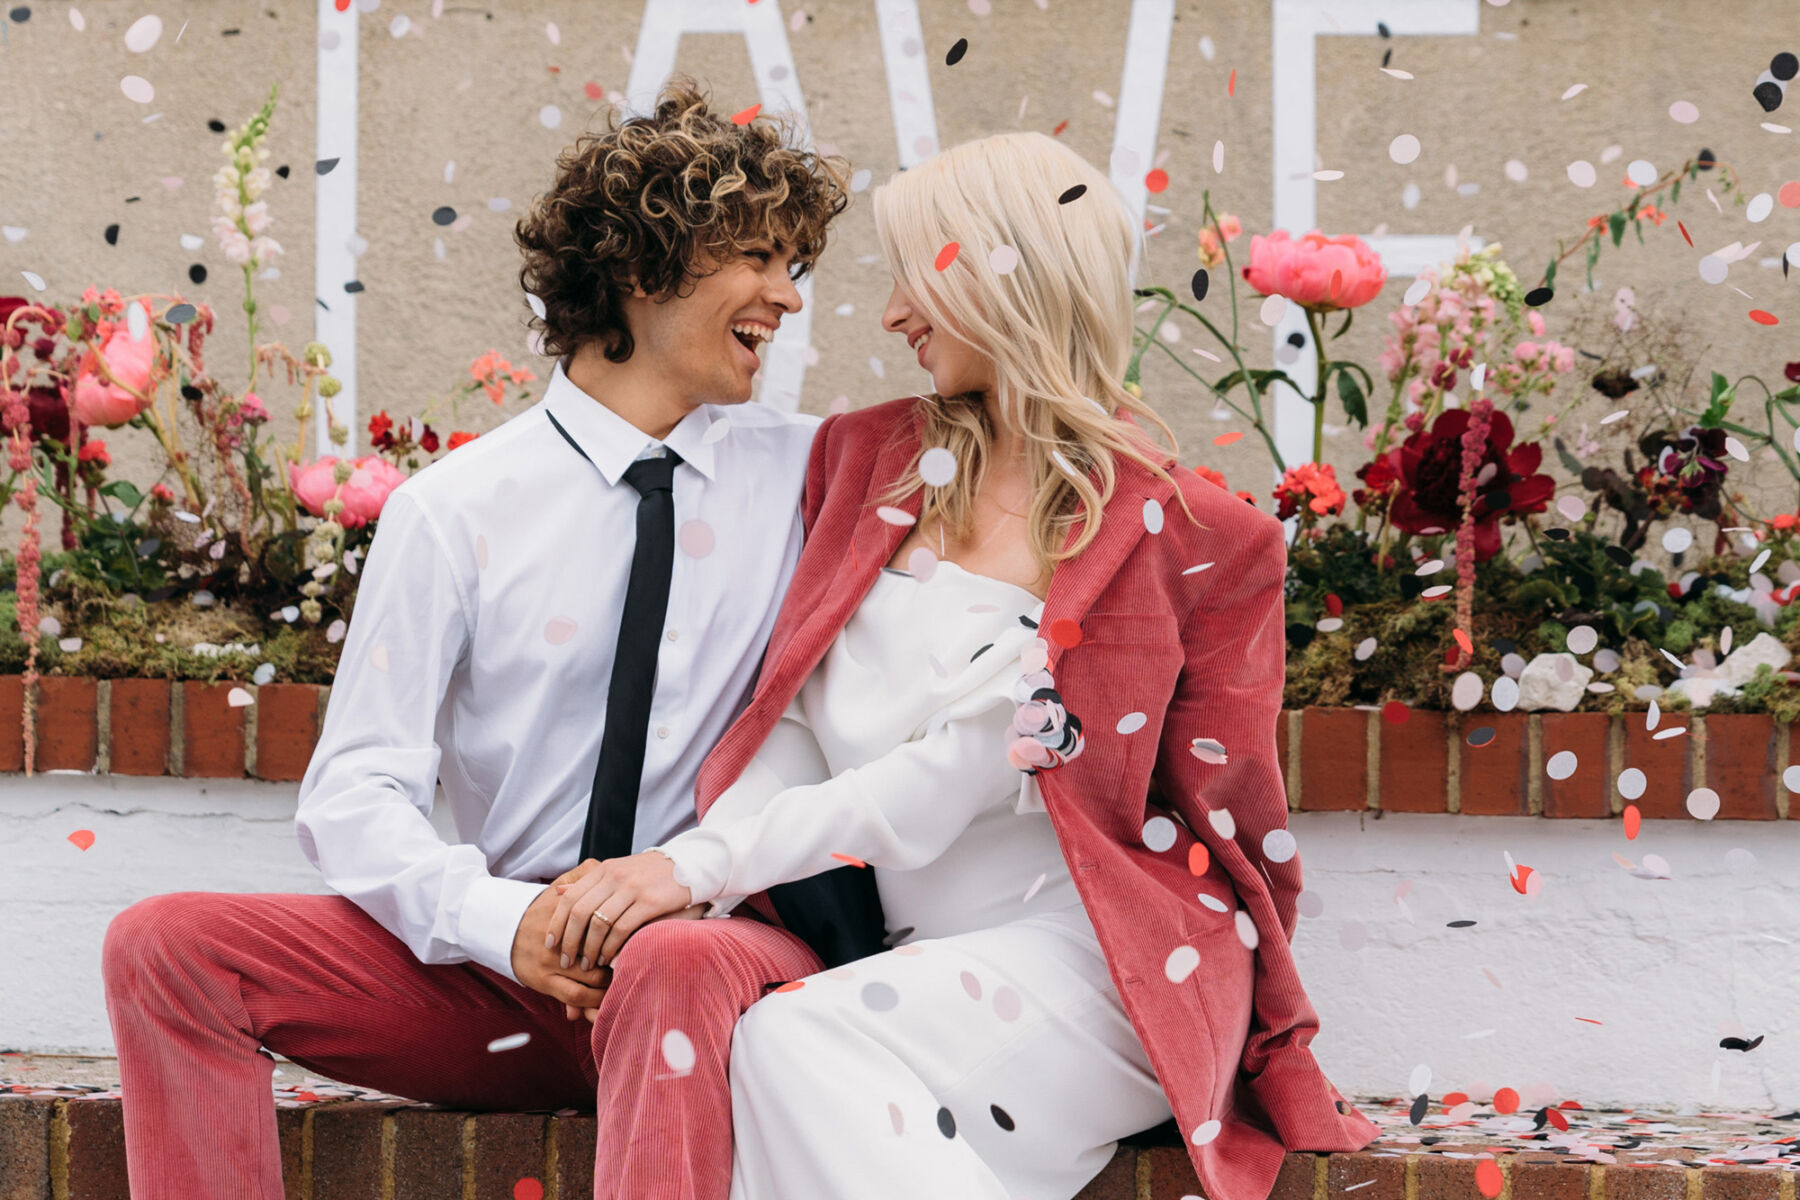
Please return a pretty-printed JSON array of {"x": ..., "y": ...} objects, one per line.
[{"x": 196, "y": 982}]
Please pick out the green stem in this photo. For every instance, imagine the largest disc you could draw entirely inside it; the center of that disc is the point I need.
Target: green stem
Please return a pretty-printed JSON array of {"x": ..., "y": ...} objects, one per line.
[{"x": 1313, "y": 324}]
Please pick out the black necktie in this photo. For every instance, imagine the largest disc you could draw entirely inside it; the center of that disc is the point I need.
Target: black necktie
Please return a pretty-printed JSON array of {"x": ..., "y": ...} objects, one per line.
[{"x": 612, "y": 807}]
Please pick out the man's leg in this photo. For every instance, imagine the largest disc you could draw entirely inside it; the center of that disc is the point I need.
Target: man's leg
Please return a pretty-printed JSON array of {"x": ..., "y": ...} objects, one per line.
[
  {"x": 196, "y": 981},
  {"x": 663, "y": 1040}
]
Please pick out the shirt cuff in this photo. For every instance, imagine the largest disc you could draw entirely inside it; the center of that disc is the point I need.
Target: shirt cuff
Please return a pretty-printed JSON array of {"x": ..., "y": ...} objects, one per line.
[
  {"x": 489, "y": 921},
  {"x": 723, "y": 905},
  {"x": 702, "y": 863}
]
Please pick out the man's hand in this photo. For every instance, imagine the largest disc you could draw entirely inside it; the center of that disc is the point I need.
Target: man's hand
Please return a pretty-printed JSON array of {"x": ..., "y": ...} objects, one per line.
[
  {"x": 636, "y": 889},
  {"x": 539, "y": 968}
]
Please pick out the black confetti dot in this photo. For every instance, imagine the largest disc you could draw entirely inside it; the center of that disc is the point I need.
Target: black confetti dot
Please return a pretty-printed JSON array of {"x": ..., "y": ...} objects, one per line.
[
  {"x": 1784, "y": 66},
  {"x": 1199, "y": 284},
  {"x": 283, "y": 170},
  {"x": 1538, "y": 296},
  {"x": 1381, "y": 27},
  {"x": 1460, "y": 924},
  {"x": 1300, "y": 635},
  {"x": 1387, "y": 56},
  {"x": 1705, "y": 160},
  {"x": 1028, "y": 623},
  {"x": 981, "y": 652},
  {"x": 1296, "y": 339},
  {"x": 216, "y": 125},
  {"x": 190, "y": 392},
  {"x": 956, "y": 52},
  {"x": 1001, "y": 1117},
  {"x": 1074, "y": 193},
  {"x": 197, "y": 272},
  {"x": 1737, "y": 1043},
  {"x": 112, "y": 235},
  {"x": 181, "y": 314},
  {"x": 354, "y": 286},
  {"x": 1557, "y": 535},
  {"x": 946, "y": 1123},
  {"x": 324, "y": 165},
  {"x": 1481, "y": 735},
  {"x": 1619, "y": 555},
  {"x": 20, "y": 15},
  {"x": 1420, "y": 1106},
  {"x": 898, "y": 936},
  {"x": 443, "y": 215},
  {"x": 1768, "y": 94}
]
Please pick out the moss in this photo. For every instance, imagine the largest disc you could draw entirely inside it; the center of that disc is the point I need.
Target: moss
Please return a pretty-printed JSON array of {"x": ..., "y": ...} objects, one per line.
[{"x": 1678, "y": 637}]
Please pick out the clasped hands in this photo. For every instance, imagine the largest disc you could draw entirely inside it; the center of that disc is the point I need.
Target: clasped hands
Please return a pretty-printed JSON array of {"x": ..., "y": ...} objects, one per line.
[{"x": 598, "y": 905}]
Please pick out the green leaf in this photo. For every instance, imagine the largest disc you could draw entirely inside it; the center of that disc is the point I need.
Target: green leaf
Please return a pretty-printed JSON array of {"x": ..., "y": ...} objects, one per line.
[
  {"x": 1675, "y": 193},
  {"x": 1356, "y": 406},
  {"x": 1569, "y": 461},
  {"x": 1342, "y": 329},
  {"x": 1639, "y": 227},
  {"x": 1616, "y": 222},
  {"x": 1550, "y": 275},
  {"x": 124, "y": 492},
  {"x": 1719, "y": 404}
]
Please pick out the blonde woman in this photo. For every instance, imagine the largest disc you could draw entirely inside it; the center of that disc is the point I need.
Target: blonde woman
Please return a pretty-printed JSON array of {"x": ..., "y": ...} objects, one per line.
[{"x": 1026, "y": 678}]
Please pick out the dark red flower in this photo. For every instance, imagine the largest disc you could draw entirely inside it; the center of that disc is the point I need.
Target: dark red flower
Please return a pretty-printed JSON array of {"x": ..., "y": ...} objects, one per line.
[
  {"x": 1430, "y": 462},
  {"x": 1792, "y": 371},
  {"x": 1381, "y": 474},
  {"x": 428, "y": 441},
  {"x": 381, "y": 427}
]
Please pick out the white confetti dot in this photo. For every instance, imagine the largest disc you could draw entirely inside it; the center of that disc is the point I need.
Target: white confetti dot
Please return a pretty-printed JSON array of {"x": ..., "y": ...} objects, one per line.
[
  {"x": 1641, "y": 171},
  {"x": 895, "y": 516},
  {"x": 1429, "y": 567},
  {"x": 922, "y": 564},
  {"x": 1432, "y": 593},
  {"x": 1714, "y": 269},
  {"x": 1130, "y": 723},
  {"x": 77, "y": 20},
  {"x": 399, "y": 25},
  {"x": 1703, "y": 803},
  {"x": 335, "y": 633},
  {"x": 860, "y": 180},
  {"x": 1759, "y": 208},
  {"x": 1416, "y": 291},
  {"x": 1582, "y": 173},
  {"x": 1310, "y": 904},
  {"x": 1272, "y": 310},
  {"x": 1419, "y": 1081},
  {"x": 137, "y": 323},
  {"x": 1365, "y": 648},
  {"x": 1515, "y": 170},
  {"x": 553, "y": 33},
  {"x": 1573, "y": 92},
  {"x": 1246, "y": 929},
  {"x": 1205, "y": 1132},
  {"x": 70, "y": 645},
  {"x": 137, "y": 88},
  {"x": 1562, "y": 764},
  {"x": 1223, "y": 823},
  {"x": 1466, "y": 692},
  {"x": 1159, "y": 833},
  {"x": 1278, "y": 845},
  {"x": 1218, "y": 157},
  {"x": 1571, "y": 507},
  {"x": 550, "y": 116},
  {"x": 1213, "y": 902},
  {"x": 1181, "y": 963},
  {"x": 1404, "y": 149},
  {"x": 1684, "y": 112},
  {"x": 695, "y": 539},
  {"x": 1353, "y": 935},
  {"x": 143, "y": 33},
  {"x": 1582, "y": 639},
  {"x": 1736, "y": 449},
  {"x": 937, "y": 466},
  {"x": 1505, "y": 694},
  {"x": 1632, "y": 781},
  {"x": 678, "y": 1051},
  {"x": 1677, "y": 538},
  {"x": 378, "y": 658},
  {"x": 1153, "y": 516},
  {"x": 511, "y": 1041},
  {"x": 1003, "y": 260},
  {"x": 1740, "y": 861}
]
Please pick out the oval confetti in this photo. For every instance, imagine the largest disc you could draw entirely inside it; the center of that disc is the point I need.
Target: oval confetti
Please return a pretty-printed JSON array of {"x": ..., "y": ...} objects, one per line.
[
  {"x": 947, "y": 255},
  {"x": 559, "y": 630},
  {"x": 1703, "y": 803},
  {"x": 956, "y": 52},
  {"x": 1181, "y": 963},
  {"x": 1003, "y": 260},
  {"x": 82, "y": 838},
  {"x": 1074, "y": 193},
  {"x": 137, "y": 88},
  {"x": 1159, "y": 833},
  {"x": 143, "y": 33},
  {"x": 1278, "y": 845},
  {"x": 1199, "y": 859},
  {"x": 1153, "y": 516},
  {"x": 895, "y": 516},
  {"x": 1064, "y": 632},
  {"x": 1130, "y": 723},
  {"x": 1205, "y": 1132},
  {"x": 511, "y": 1041},
  {"x": 1488, "y": 1178},
  {"x": 678, "y": 1051},
  {"x": 937, "y": 466},
  {"x": 695, "y": 539}
]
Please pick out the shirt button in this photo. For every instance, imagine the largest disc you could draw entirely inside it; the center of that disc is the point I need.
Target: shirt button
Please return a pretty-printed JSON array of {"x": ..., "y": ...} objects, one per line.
[
  {"x": 673, "y": 634},
  {"x": 662, "y": 731}
]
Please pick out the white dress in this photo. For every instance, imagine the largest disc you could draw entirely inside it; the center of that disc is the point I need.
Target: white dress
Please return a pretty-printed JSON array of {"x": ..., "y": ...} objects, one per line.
[{"x": 987, "y": 1055}]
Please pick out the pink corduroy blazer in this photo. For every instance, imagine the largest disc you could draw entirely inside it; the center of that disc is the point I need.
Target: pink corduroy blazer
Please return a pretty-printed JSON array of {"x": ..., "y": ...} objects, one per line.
[{"x": 1201, "y": 654}]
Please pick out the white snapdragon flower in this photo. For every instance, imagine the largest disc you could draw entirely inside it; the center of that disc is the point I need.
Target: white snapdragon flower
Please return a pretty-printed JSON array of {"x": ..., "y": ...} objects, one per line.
[
  {"x": 236, "y": 247},
  {"x": 256, "y": 217},
  {"x": 265, "y": 250}
]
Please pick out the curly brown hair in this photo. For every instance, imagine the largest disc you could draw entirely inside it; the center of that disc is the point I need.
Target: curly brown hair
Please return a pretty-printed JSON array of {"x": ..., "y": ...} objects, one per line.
[{"x": 653, "y": 198}]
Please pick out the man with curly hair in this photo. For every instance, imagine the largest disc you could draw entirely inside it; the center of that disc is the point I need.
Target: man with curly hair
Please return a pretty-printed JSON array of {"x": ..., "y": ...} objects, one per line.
[{"x": 555, "y": 622}]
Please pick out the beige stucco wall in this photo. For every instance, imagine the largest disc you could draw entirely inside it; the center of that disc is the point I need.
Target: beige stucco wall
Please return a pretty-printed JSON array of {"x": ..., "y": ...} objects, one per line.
[{"x": 467, "y": 86}]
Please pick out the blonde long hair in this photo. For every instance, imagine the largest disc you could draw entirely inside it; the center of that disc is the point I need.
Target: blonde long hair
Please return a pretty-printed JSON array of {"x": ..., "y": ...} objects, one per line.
[{"x": 1058, "y": 326}]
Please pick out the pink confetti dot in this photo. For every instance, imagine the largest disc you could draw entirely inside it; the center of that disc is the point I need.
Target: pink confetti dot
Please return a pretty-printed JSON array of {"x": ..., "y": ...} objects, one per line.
[
  {"x": 559, "y": 630},
  {"x": 1007, "y": 1005},
  {"x": 971, "y": 985},
  {"x": 695, "y": 539},
  {"x": 1789, "y": 195}
]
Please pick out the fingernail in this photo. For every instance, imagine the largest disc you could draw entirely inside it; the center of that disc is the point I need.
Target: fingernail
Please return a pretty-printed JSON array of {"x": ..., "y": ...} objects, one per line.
[
  {"x": 549, "y": 941},
  {"x": 565, "y": 962},
  {"x": 584, "y": 963}
]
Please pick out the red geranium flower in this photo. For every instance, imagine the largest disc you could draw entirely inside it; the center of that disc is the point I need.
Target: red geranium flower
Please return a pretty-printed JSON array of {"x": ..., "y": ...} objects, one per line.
[
  {"x": 459, "y": 437},
  {"x": 1430, "y": 463},
  {"x": 381, "y": 427},
  {"x": 1311, "y": 485}
]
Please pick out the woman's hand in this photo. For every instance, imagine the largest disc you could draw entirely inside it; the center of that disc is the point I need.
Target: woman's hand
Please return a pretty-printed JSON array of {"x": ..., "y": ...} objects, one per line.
[
  {"x": 607, "y": 905},
  {"x": 692, "y": 912}
]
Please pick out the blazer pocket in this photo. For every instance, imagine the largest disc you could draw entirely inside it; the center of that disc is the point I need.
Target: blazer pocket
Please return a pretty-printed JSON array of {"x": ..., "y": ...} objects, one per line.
[{"x": 1130, "y": 629}]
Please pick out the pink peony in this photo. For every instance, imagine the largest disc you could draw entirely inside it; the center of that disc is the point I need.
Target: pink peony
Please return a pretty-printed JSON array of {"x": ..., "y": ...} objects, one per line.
[
  {"x": 1316, "y": 272},
  {"x": 132, "y": 363},
  {"x": 371, "y": 481}
]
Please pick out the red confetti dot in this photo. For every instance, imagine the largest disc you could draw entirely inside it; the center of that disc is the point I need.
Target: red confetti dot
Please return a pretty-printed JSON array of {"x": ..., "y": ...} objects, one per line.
[
  {"x": 1199, "y": 859},
  {"x": 1789, "y": 195},
  {"x": 1225, "y": 439},
  {"x": 795, "y": 986},
  {"x": 1506, "y": 1101},
  {"x": 1395, "y": 712},
  {"x": 530, "y": 1188},
  {"x": 1574, "y": 1104},
  {"x": 594, "y": 91},
  {"x": 1590, "y": 1021},
  {"x": 1518, "y": 885},
  {"x": 1157, "y": 180},
  {"x": 1462, "y": 639},
  {"x": 1488, "y": 1178},
  {"x": 343, "y": 5},
  {"x": 1060, "y": 126},
  {"x": 1334, "y": 604},
  {"x": 1452, "y": 1099},
  {"x": 83, "y": 838},
  {"x": 309, "y": 1097},
  {"x": 1764, "y": 318},
  {"x": 855, "y": 862},
  {"x": 1231, "y": 84},
  {"x": 947, "y": 255},
  {"x": 1684, "y": 232},
  {"x": 747, "y": 116},
  {"x": 1064, "y": 632},
  {"x": 1555, "y": 1117},
  {"x": 1632, "y": 819}
]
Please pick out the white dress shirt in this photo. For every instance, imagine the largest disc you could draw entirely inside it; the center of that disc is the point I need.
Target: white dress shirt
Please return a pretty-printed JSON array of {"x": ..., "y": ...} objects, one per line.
[
  {"x": 894, "y": 752},
  {"x": 481, "y": 647}
]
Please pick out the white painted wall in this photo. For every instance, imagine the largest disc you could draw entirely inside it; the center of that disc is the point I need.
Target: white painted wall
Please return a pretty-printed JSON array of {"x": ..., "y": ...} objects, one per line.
[{"x": 1669, "y": 966}]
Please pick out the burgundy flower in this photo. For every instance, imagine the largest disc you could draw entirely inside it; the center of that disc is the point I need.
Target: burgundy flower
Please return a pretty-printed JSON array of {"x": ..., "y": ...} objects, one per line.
[
  {"x": 1792, "y": 371},
  {"x": 1430, "y": 462}
]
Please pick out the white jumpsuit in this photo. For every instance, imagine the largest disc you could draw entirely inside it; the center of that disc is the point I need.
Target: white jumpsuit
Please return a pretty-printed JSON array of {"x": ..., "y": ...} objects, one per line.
[{"x": 987, "y": 1055}]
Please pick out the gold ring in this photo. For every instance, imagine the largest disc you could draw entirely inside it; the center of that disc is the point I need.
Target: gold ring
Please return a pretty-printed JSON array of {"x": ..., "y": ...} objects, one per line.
[{"x": 601, "y": 915}]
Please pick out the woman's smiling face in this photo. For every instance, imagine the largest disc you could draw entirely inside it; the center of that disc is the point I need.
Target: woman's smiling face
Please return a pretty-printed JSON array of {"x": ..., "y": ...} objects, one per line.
[{"x": 956, "y": 366}]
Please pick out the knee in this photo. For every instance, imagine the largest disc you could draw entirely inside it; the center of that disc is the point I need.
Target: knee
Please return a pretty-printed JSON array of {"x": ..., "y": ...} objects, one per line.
[
  {"x": 144, "y": 938},
  {"x": 669, "y": 954}
]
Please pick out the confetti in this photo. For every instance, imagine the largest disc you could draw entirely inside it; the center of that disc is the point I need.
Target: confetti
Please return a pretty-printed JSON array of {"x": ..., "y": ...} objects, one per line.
[
  {"x": 559, "y": 630},
  {"x": 1404, "y": 149},
  {"x": 137, "y": 88},
  {"x": 678, "y": 1051},
  {"x": 695, "y": 539},
  {"x": 1153, "y": 516},
  {"x": 82, "y": 838},
  {"x": 895, "y": 516},
  {"x": 1180, "y": 964},
  {"x": 947, "y": 255},
  {"x": 511, "y": 1041},
  {"x": 1157, "y": 180},
  {"x": 1205, "y": 1132},
  {"x": 143, "y": 33},
  {"x": 956, "y": 52},
  {"x": 530, "y": 1187},
  {"x": 1073, "y": 194},
  {"x": 1225, "y": 439},
  {"x": 1003, "y": 260},
  {"x": 746, "y": 116},
  {"x": 846, "y": 858}
]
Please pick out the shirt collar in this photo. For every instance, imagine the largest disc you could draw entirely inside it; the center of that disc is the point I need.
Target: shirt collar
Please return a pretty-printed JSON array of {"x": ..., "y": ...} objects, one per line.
[{"x": 614, "y": 443}]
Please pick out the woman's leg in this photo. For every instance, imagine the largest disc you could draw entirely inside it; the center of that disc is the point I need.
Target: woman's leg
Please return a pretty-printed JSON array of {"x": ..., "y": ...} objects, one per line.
[
  {"x": 996, "y": 1065},
  {"x": 663, "y": 1040},
  {"x": 197, "y": 981}
]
